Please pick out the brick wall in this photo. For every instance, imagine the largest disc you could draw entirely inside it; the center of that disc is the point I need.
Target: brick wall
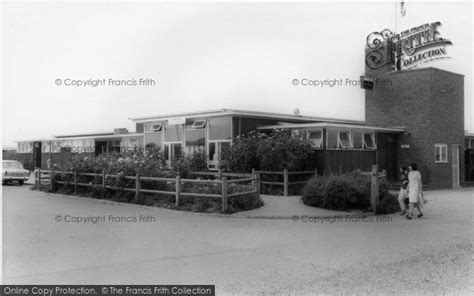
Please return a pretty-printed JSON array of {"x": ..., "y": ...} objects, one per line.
[{"x": 429, "y": 102}]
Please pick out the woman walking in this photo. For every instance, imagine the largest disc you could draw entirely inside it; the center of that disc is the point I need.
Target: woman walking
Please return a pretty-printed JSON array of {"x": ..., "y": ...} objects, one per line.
[
  {"x": 414, "y": 190},
  {"x": 403, "y": 194}
]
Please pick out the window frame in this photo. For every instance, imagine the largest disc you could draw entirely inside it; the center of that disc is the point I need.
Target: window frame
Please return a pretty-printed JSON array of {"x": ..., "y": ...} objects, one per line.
[
  {"x": 196, "y": 126},
  {"x": 159, "y": 129},
  {"x": 308, "y": 133},
  {"x": 364, "y": 144},
  {"x": 214, "y": 164},
  {"x": 339, "y": 142},
  {"x": 440, "y": 147}
]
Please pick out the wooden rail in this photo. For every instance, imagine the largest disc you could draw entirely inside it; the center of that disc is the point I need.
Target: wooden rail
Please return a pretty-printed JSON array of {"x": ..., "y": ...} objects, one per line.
[
  {"x": 178, "y": 184},
  {"x": 286, "y": 179}
]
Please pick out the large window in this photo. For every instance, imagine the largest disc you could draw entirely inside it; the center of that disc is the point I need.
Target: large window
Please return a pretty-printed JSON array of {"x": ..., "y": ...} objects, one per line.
[
  {"x": 26, "y": 147},
  {"x": 357, "y": 140},
  {"x": 332, "y": 139},
  {"x": 174, "y": 133},
  {"x": 441, "y": 153},
  {"x": 172, "y": 151},
  {"x": 89, "y": 145},
  {"x": 316, "y": 138},
  {"x": 56, "y": 146},
  {"x": 154, "y": 139},
  {"x": 154, "y": 134},
  {"x": 114, "y": 146},
  {"x": 195, "y": 141},
  {"x": 46, "y": 146},
  {"x": 220, "y": 128}
]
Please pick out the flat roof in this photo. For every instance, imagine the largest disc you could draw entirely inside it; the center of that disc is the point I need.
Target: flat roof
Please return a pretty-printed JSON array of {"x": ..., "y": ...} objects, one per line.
[
  {"x": 333, "y": 125},
  {"x": 425, "y": 69},
  {"x": 244, "y": 113},
  {"x": 84, "y": 135},
  {"x": 97, "y": 137}
]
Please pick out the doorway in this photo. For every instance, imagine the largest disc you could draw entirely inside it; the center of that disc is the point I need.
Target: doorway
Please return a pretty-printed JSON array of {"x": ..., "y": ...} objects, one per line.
[
  {"x": 455, "y": 166},
  {"x": 218, "y": 151},
  {"x": 37, "y": 154}
]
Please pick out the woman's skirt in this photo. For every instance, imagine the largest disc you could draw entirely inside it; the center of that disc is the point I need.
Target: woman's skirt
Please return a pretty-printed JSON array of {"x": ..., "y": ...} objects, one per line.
[{"x": 413, "y": 193}]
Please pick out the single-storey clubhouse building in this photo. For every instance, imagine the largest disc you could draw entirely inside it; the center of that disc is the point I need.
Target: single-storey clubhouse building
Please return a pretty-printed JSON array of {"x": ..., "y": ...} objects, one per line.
[{"x": 417, "y": 117}]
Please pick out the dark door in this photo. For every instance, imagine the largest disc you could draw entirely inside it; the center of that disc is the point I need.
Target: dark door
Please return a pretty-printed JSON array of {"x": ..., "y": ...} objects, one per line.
[
  {"x": 469, "y": 164},
  {"x": 37, "y": 154},
  {"x": 387, "y": 154},
  {"x": 100, "y": 147}
]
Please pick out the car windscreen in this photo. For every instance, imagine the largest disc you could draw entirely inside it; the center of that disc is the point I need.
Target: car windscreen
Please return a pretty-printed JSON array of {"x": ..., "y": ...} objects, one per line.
[{"x": 12, "y": 165}]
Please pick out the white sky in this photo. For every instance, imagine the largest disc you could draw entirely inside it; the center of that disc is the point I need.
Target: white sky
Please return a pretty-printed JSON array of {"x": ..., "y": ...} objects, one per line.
[{"x": 202, "y": 56}]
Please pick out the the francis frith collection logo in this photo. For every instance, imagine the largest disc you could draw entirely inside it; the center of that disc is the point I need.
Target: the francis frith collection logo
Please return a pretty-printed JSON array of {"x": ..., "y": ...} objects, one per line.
[{"x": 408, "y": 49}]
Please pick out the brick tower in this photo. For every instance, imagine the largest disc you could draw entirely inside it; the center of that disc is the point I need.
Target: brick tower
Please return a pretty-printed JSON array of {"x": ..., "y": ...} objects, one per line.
[{"x": 429, "y": 103}]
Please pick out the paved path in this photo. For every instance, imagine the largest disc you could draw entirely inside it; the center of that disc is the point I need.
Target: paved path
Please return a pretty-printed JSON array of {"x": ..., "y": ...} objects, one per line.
[
  {"x": 432, "y": 255},
  {"x": 287, "y": 207}
]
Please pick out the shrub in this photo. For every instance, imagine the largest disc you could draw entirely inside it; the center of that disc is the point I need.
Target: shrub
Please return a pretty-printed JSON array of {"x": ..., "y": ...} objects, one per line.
[
  {"x": 350, "y": 191},
  {"x": 198, "y": 161},
  {"x": 282, "y": 151},
  {"x": 341, "y": 193},
  {"x": 314, "y": 193},
  {"x": 273, "y": 152},
  {"x": 387, "y": 204},
  {"x": 243, "y": 154},
  {"x": 180, "y": 165}
]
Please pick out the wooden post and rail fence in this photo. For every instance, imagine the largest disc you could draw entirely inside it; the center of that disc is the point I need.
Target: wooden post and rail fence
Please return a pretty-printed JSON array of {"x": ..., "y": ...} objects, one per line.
[
  {"x": 286, "y": 178},
  {"x": 45, "y": 177}
]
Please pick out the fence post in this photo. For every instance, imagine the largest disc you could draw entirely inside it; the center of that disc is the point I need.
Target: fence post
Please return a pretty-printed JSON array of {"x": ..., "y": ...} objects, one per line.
[
  {"x": 285, "y": 182},
  {"x": 178, "y": 188},
  {"x": 315, "y": 172},
  {"x": 75, "y": 182},
  {"x": 51, "y": 179},
  {"x": 374, "y": 188},
  {"x": 257, "y": 184},
  {"x": 38, "y": 177},
  {"x": 137, "y": 187},
  {"x": 254, "y": 183},
  {"x": 219, "y": 174},
  {"x": 224, "y": 194},
  {"x": 103, "y": 184}
]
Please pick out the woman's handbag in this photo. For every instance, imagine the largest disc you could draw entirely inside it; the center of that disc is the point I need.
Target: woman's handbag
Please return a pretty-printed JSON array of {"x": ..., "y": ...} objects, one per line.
[{"x": 421, "y": 199}]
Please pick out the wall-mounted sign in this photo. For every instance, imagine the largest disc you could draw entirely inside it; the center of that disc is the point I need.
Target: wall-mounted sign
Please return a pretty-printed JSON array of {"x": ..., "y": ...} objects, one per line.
[
  {"x": 404, "y": 146},
  {"x": 176, "y": 120},
  {"x": 367, "y": 82},
  {"x": 408, "y": 49}
]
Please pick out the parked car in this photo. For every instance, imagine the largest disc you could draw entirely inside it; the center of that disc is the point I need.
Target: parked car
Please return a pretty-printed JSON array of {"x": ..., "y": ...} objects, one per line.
[{"x": 12, "y": 170}]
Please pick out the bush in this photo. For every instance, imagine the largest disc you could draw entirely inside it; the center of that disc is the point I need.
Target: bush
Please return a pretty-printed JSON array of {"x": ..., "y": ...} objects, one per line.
[
  {"x": 198, "y": 161},
  {"x": 273, "y": 152},
  {"x": 314, "y": 193},
  {"x": 342, "y": 194},
  {"x": 243, "y": 154},
  {"x": 350, "y": 191},
  {"x": 388, "y": 204}
]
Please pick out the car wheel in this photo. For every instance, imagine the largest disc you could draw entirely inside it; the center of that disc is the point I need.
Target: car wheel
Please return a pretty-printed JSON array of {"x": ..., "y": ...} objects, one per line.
[{"x": 21, "y": 182}]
